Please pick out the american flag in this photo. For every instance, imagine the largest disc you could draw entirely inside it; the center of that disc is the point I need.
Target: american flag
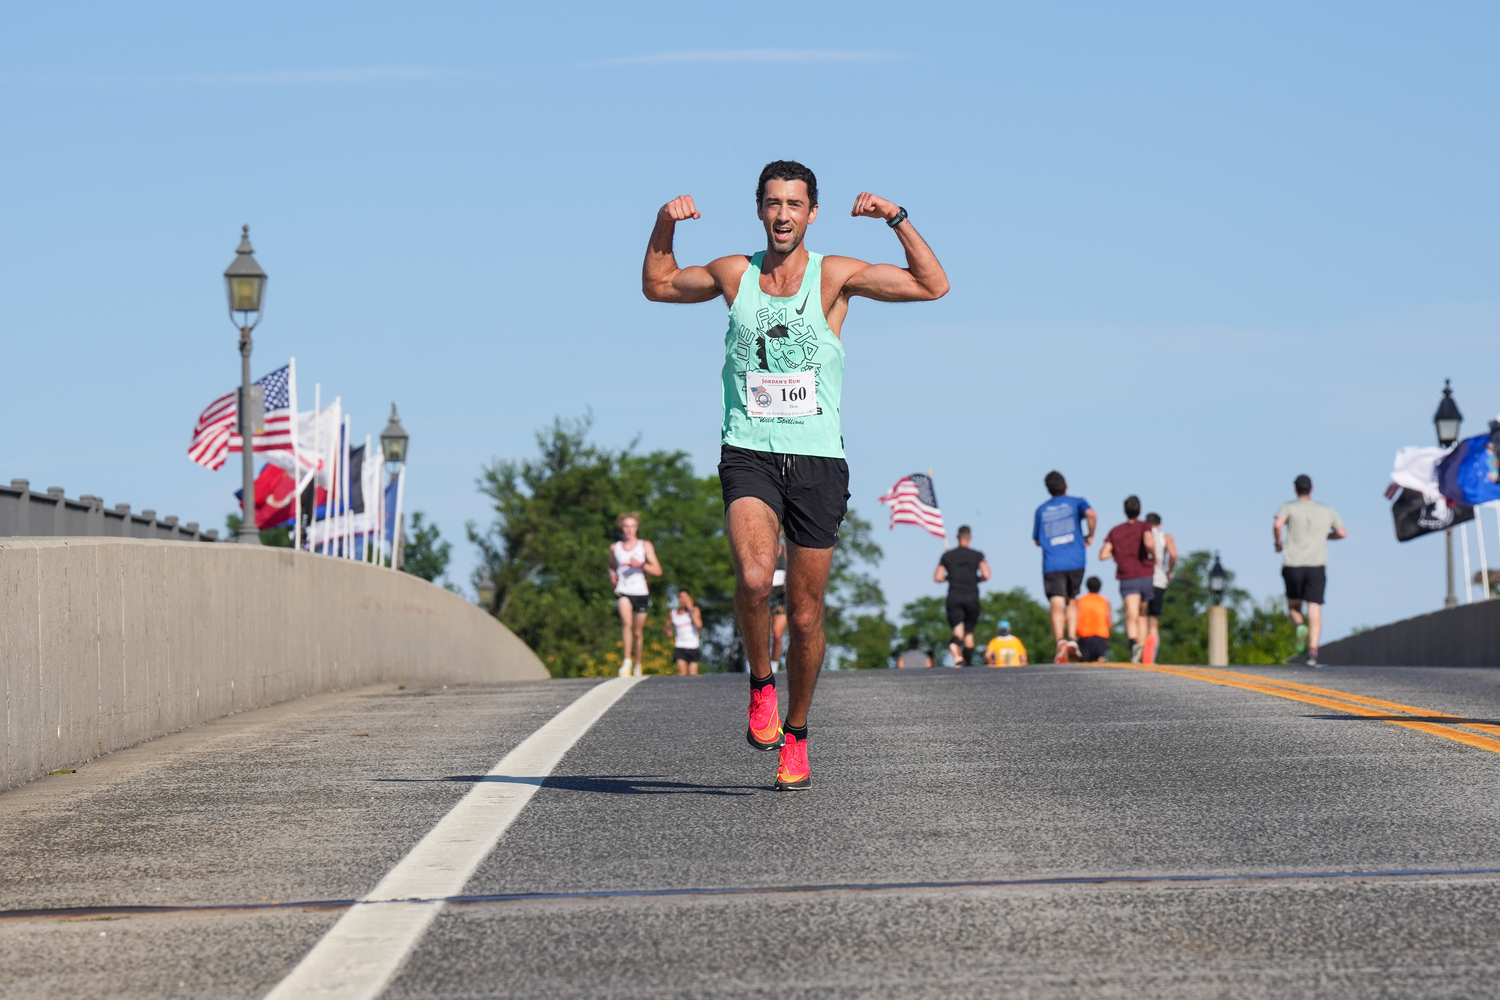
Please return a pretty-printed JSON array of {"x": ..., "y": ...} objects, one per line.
[
  {"x": 913, "y": 501},
  {"x": 215, "y": 434}
]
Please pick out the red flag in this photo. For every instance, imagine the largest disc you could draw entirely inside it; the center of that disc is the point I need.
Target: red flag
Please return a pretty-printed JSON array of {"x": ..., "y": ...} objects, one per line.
[{"x": 274, "y": 495}]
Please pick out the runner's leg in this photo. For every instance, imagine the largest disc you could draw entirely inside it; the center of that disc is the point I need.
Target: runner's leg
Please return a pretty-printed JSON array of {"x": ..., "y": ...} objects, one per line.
[
  {"x": 627, "y": 626},
  {"x": 1072, "y": 619},
  {"x": 640, "y": 639},
  {"x": 1064, "y": 617},
  {"x": 753, "y": 536},
  {"x": 682, "y": 668},
  {"x": 956, "y": 645},
  {"x": 1314, "y": 626},
  {"x": 806, "y": 580},
  {"x": 1133, "y": 617}
]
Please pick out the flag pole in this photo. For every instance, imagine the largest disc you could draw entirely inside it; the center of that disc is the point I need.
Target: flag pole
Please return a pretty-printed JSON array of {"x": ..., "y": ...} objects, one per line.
[
  {"x": 296, "y": 461},
  {"x": 397, "y": 532},
  {"x": 945, "y": 523},
  {"x": 312, "y": 542},
  {"x": 347, "y": 522}
]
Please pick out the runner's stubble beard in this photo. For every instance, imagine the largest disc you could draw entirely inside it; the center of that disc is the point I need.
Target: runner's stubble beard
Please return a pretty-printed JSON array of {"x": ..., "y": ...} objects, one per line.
[{"x": 794, "y": 239}]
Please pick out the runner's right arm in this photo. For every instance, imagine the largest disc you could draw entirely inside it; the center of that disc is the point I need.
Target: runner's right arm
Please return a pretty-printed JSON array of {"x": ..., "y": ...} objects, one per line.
[{"x": 663, "y": 281}]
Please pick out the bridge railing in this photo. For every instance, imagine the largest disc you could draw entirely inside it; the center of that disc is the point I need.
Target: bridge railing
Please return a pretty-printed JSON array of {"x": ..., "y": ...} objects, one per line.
[
  {"x": 27, "y": 514},
  {"x": 107, "y": 642}
]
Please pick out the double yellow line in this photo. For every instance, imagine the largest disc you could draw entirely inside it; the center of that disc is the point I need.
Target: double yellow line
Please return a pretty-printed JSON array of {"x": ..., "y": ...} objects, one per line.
[{"x": 1393, "y": 712}]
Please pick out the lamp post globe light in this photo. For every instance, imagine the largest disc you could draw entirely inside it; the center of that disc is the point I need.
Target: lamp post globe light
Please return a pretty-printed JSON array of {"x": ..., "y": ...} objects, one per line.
[
  {"x": 245, "y": 284},
  {"x": 1447, "y": 420},
  {"x": 1218, "y": 616}
]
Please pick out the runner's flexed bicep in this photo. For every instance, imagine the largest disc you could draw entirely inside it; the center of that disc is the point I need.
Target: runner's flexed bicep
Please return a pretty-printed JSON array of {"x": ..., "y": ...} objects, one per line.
[
  {"x": 921, "y": 280},
  {"x": 663, "y": 281}
]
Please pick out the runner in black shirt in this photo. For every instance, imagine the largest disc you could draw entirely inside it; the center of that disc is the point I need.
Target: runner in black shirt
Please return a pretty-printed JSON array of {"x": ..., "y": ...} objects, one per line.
[{"x": 963, "y": 568}]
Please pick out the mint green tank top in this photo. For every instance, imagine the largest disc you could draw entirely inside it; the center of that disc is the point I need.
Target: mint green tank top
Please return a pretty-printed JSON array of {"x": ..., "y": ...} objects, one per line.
[{"x": 768, "y": 334}]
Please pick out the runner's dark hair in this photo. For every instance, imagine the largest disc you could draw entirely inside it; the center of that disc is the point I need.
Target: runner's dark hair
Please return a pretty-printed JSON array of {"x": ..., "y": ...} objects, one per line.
[
  {"x": 787, "y": 170},
  {"x": 964, "y": 532},
  {"x": 1056, "y": 484},
  {"x": 1303, "y": 485},
  {"x": 1094, "y": 583},
  {"x": 1153, "y": 519},
  {"x": 1132, "y": 506},
  {"x": 915, "y": 642}
]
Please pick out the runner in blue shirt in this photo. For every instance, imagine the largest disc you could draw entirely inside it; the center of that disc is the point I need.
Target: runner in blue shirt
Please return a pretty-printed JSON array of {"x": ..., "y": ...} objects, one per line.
[{"x": 1058, "y": 529}]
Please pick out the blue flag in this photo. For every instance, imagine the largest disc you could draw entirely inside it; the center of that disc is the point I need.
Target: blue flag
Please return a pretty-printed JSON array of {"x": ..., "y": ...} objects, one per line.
[{"x": 1467, "y": 474}]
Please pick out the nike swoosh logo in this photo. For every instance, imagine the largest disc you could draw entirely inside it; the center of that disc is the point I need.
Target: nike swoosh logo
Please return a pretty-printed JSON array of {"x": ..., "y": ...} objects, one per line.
[{"x": 804, "y": 303}]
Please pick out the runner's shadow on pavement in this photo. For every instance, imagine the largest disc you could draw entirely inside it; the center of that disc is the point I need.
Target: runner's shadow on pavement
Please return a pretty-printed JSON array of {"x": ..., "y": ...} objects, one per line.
[
  {"x": 1442, "y": 719},
  {"x": 621, "y": 784}
]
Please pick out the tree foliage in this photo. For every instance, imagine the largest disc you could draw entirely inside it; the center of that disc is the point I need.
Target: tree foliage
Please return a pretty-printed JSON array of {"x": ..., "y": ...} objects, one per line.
[
  {"x": 547, "y": 552},
  {"x": 424, "y": 553},
  {"x": 854, "y": 623}
]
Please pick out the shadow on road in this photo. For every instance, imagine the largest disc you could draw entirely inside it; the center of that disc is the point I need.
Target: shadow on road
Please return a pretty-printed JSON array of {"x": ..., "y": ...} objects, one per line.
[{"x": 621, "y": 784}]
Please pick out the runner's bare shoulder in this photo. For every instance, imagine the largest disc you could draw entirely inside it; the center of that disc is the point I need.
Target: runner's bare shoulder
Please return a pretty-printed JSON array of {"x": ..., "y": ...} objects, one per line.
[{"x": 727, "y": 272}]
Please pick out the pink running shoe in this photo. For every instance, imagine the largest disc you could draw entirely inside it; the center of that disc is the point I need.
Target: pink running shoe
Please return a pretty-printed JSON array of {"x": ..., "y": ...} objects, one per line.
[
  {"x": 765, "y": 722},
  {"x": 791, "y": 771}
]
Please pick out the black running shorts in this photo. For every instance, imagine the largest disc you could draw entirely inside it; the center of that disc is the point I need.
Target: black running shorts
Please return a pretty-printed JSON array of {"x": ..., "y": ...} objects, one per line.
[
  {"x": 639, "y": 603},
  {"x": 1093, "y": 648},
  {"x": 963, "y": 611},
  {"x": 686, "y": 655},
  {"x": 778, "y": 601},
  {"x": 1153, "y": 607},
  {"x": 1064, "y": 583},
  {"x": 808, "y": 493},
  {"x": 1305, "y": 583}
]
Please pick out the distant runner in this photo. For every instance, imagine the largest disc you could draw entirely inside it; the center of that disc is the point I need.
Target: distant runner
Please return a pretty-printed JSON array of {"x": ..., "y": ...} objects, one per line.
[
  {"x": 778, "y": 604},
  {"x": 1058, "y": 528},
  {"x": 630, "y": 559},
  {"x": 782, "y": 462},
  {"x": 1310, "y": 526},
  {"x": 1129, "y": 546},
  {"x": 686, "y": 629},
  {"x": 964, "y": 569},
  {"x": 914, "y": 657},
  {"x": 1164, "y": 548},
  {"x": 1095, "y": 622},
  {"x": 1005, "y": 650}
]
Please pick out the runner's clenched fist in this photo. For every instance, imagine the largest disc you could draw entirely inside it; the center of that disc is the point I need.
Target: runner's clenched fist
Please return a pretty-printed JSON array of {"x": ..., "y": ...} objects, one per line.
[
  {"x": 680, "y": 209},
  {"x": 872, "y": 206}
]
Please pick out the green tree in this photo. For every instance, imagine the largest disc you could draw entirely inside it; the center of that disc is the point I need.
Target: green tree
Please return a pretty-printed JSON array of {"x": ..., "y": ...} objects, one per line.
[
  {"x": 424, "y": 553},
  {"x": 854, "y": 623},
  {"x": 927, "y": 619},
  {"x": 547, "y": 548}
]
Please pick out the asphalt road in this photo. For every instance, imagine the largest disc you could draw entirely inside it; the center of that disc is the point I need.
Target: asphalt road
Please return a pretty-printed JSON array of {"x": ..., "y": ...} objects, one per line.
[{"x": 1035, "y": 832}]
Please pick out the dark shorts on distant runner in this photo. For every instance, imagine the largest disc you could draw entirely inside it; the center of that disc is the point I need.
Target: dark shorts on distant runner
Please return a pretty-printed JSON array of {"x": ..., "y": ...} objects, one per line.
[
  {"x": 778, "y": 601},
  {"x": 686, "y": 655},
  {"x": 1305, "y": 583},
  {"x": 1064, "y": 583},
  {"x": 809, "y": 494},
  {"x": 1140, "y": 586},
  {"x": 639, "y": 603},
  {"x": 1093, "y": 648},
  {"x": 1154, "y": 607},
  {"x": 963, "y": 611}
]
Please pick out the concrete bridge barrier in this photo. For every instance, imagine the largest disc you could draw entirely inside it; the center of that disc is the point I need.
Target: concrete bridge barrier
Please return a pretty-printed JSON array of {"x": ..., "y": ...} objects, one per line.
[{"x": 107, "y": 642}]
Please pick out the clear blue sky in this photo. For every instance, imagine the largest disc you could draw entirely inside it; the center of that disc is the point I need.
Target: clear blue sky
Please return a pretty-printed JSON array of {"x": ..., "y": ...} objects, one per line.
[{"x": 1194, "y": 250}]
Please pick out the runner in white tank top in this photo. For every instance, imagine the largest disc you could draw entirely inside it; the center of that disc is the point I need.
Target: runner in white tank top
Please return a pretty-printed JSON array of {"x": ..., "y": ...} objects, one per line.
[
  {"x": 1164, "y": 547},
  {"x": 686, "y": 629},
  {"x": 630, "y": 559}
]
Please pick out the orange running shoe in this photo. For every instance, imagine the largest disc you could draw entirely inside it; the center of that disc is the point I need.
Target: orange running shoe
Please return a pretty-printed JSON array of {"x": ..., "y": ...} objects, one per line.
[
  {"x": 1148, "y": 655},
  {"x": 765, "y": 723},
  {"x": 791, "y": 772},
  {"x": 1061, "y": 655}
]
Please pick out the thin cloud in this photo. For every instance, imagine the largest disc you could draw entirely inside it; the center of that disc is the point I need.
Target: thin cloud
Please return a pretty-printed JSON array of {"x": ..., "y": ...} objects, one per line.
[
  {"x": 753, "y": 56},
  {"x": 266, "y": 78}
]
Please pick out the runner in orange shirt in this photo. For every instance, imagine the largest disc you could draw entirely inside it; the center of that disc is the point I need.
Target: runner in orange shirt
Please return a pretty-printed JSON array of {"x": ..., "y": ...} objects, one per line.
[{"x": 1094, "y": 618}]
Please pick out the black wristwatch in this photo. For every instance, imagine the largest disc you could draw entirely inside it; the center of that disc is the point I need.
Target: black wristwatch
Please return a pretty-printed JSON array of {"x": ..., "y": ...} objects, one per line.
[{"x": 900, "y": 218}]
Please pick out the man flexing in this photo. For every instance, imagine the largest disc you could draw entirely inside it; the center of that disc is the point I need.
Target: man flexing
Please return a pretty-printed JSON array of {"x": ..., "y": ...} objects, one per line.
[{"x": 782, "y": 462}]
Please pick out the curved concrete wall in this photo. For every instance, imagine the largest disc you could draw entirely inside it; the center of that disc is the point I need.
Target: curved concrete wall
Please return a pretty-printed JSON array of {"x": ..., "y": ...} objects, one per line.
[{"x": 107, "y": 642}]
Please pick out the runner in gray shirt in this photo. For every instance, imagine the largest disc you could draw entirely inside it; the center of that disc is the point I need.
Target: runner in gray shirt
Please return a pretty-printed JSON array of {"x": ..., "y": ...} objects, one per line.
[{"x": 1310, "y": 526}]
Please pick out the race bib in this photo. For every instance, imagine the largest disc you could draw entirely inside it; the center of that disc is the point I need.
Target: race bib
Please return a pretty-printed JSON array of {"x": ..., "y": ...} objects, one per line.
[
  {"x": 777, "y": 394},
  {"x": 1062, "y": 539}
]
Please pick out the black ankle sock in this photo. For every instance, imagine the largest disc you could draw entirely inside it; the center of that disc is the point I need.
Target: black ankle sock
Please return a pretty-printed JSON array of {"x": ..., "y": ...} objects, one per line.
[
  {"x": 798, "y": 731},
  {"x": 756, "y": 683}
]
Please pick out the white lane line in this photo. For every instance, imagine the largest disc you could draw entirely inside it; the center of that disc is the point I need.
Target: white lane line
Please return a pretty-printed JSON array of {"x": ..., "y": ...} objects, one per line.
[{"x": 362, "y": 952}]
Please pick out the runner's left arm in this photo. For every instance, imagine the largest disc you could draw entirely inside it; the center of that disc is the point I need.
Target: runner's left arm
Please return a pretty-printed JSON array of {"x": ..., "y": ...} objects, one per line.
[
  {"x": 921, "y": 280},
  {"x": 651, "y": 565},
  {"x": 1171, "y": 555},
  {"x": 984, "y": 570},
  {"x": 1093, "y": 520}
]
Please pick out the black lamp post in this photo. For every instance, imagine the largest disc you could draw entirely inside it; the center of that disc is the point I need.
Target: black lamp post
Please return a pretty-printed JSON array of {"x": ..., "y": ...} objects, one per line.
[
  {"x": 393, "y": 442},
  {"x": 1447, "y": 420},
  {"x": 245, "y": 284},
  {"x": 1217, "y": 581},
  {"x": 393, "y": 439}
]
